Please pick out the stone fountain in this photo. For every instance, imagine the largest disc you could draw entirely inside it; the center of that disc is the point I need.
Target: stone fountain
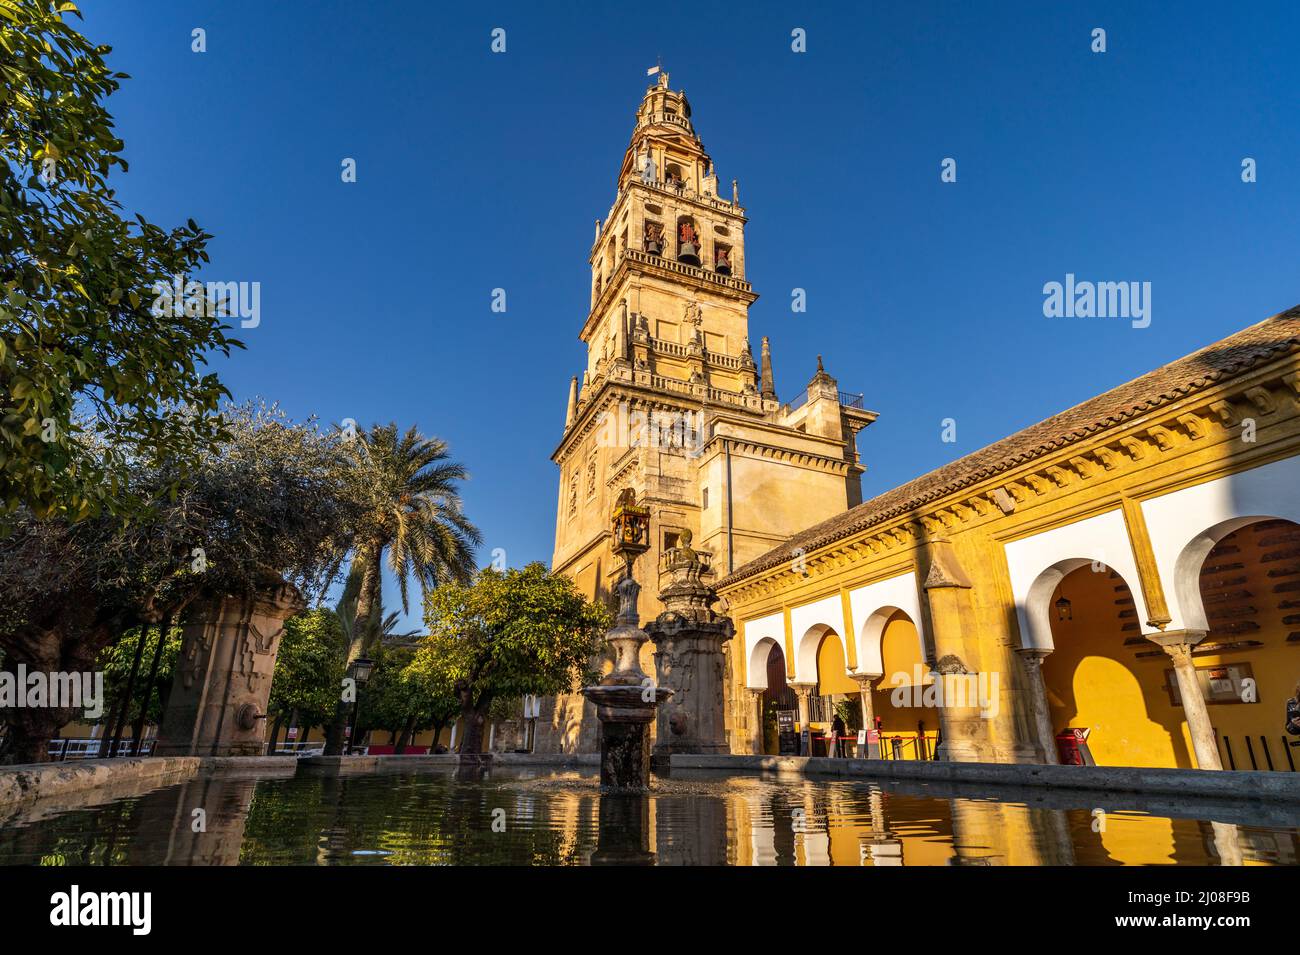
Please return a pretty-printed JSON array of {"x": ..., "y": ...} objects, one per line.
[
  {"x": 626, "y": 698},
  {"x": 689, "y": 658}
]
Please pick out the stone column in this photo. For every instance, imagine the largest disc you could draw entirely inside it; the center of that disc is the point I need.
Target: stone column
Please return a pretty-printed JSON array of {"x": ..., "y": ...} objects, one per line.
[
  {"x": 955, "y": 656},
  {"x": 756, "y": 714},
  {"x": 865, "y": 682},
  {"x": 1032, "y": 660},
  {"x": 804, "y": 691},
  {"x": 688, "y": 638},
  {"x": 222, "y": 685},
  {"x": 1178, "y": 645}
]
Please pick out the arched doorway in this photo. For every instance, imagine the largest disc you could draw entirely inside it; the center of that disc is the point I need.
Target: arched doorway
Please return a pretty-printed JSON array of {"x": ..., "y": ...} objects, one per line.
[
  {"x": 1103, "y": 674},
  {"x": 891, "y": 645},
  {"x": 1248, "y": 664},
  {"x": 777, "y": 697}
]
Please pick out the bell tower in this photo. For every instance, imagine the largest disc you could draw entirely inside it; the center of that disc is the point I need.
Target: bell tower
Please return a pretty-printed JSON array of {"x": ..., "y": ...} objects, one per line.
[{"x": 671, "y": 402}]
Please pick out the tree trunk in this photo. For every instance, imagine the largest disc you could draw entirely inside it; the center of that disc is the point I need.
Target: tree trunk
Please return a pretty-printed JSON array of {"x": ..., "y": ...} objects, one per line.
[
  {"x": 129, "y": 691},
  {"x": 474, "y": 715},
  {"x": 48, "y": 651},
  {"x": 439, "y": 724},
  {"x": 275, "y": 735},
  {"x": 368, "y": 598},
  {"x": 405, "y": 739},
  {"x": 152, "y": 680}
]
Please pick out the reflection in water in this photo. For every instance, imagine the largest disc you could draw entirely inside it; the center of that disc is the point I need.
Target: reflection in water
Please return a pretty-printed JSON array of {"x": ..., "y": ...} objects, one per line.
[{"x": 526, "y": 817}]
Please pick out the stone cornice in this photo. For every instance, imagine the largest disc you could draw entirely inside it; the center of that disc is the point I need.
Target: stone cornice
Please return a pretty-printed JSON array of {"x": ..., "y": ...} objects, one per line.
[
  {"x": 698, "y": 279},
  {"x": 1269, "y": 394}
]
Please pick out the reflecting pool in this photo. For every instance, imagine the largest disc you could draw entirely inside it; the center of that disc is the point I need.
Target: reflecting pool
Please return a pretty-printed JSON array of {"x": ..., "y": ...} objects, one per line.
[{"x": 536, "y": 817}]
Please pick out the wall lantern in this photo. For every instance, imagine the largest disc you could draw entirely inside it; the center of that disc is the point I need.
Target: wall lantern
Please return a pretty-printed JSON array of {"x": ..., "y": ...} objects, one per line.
[{"x": 1064, "y": 611}]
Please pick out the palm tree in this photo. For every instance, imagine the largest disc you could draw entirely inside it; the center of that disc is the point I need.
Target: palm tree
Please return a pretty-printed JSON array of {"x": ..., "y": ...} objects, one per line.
[
  {"x": 346, "y": 612},
  {"x": 412, "y": 514}
]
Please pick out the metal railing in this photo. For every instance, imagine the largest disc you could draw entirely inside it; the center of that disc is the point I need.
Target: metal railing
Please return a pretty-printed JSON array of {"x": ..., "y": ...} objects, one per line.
[
  {"x": 83, "y": 748},
  {"x": 847, "y": 400},
  {"x": 1260, "y": 755}
]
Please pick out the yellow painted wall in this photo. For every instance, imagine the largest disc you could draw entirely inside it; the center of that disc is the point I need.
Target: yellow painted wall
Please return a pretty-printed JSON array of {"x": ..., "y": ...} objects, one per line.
[
  {"x": 901, "y": 654},
  {"x": 831, "y": 675},
  {"x": 1094, "y": 679}
]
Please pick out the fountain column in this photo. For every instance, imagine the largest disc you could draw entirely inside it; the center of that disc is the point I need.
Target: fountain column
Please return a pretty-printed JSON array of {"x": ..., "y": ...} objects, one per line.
[
  {"x": 222, "y": 685},
  {"x": 626, "y": 697}
]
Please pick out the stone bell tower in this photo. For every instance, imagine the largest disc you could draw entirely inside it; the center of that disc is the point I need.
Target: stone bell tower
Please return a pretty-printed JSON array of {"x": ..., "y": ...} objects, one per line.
[{"x": 671, "y": 402}]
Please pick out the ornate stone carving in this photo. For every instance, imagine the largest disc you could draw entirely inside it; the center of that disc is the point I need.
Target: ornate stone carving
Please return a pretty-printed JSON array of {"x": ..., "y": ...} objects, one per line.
[{"x": 689, "y": 638}]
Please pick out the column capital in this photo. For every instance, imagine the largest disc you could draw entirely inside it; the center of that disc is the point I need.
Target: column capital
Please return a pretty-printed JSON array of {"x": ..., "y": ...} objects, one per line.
[
  {"x": 803, "y": 689},
  {"x": 1177, "y": 642},
  {"x": 1033, "y": 656},
  {"x": 864, "y": 680}
]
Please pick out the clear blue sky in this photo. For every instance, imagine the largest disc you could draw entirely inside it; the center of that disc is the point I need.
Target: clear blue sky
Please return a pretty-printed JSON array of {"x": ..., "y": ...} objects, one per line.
[{"x": 479, "y": 170}]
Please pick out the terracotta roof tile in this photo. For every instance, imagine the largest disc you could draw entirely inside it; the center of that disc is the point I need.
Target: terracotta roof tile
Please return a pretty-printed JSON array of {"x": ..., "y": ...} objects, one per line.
[{"x": 1231, "y": 356}]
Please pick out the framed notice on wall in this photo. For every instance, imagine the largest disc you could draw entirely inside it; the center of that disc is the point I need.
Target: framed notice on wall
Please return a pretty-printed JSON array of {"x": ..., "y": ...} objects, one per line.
[{"x": 1220, "y": 683}]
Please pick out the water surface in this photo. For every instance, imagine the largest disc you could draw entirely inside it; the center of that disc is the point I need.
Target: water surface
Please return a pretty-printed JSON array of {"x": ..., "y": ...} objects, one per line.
[{"x": 532, "y": 817}]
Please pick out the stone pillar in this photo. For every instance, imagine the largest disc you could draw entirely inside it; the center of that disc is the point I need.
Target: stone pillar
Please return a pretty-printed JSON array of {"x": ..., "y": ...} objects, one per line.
[
  {"x": 804, "y": 691},
  {"x": 219, "y": 694},
  {"x": 1178, "y": 645},
  {"x": 688, "y": 638},
  {"x": 955, "y": 658},
  {"x": 1031, "y": 659},
  {"x": 756, "y": 714},
  {"x": 865, "y": 682}
]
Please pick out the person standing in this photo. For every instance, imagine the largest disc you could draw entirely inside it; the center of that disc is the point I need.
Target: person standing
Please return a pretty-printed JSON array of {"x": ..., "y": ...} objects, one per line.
[{"x": 1293, "y": 713}]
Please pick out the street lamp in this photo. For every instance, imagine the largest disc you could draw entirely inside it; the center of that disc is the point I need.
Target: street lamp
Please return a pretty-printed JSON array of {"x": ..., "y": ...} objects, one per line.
[{"x": 359, "y": 670}]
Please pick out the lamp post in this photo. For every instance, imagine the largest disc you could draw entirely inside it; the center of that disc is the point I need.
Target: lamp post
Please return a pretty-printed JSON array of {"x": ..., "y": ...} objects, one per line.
[{"x": 359, "y": 670}]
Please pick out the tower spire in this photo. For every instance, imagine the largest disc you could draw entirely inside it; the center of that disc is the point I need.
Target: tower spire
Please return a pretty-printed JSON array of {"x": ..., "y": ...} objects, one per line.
[
  {"x": 573, "y": 402},
  {"x": 768, "y": 389}
]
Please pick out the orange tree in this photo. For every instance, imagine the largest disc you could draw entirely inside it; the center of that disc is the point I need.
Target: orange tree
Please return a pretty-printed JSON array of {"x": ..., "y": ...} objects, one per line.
[{"x": 507, "y": 634}]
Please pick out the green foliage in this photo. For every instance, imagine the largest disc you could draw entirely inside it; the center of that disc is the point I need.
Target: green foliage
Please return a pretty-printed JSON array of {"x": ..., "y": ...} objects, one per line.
[
  {"x": 507, "y": 634},
  {"x": 411, "y": 510},
  {"x": 309, "y": 667},
  {"x": 270, "y": 503},
  {"x": 90, "y": 378},
  {"x": 385, "y": 625},
  {"x": 851, "y": 713},
  {"x": 412, "y": 506},
  {"x": 116, "y": 661},
  {"x": 396, "y": 694}
]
